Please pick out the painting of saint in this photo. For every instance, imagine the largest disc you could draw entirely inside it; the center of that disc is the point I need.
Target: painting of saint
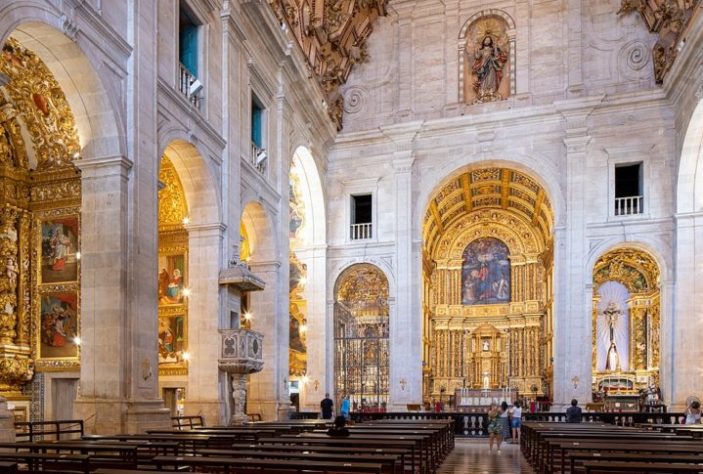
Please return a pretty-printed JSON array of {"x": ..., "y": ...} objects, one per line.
[
  {"x": 171, "y": 279},
  {"x": 485, "y": 273},
  {"x": 59, "y": 262},
  {"x": 171, "y": 339},
  {"x": 59, "y": 325}
]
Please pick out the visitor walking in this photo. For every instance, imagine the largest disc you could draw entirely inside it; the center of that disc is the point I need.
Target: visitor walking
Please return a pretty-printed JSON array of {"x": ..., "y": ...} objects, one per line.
[
  {"x": 493, "y": 427},
  {"x": 346, "y": 406},
  {"x": 516, "y": 421}
]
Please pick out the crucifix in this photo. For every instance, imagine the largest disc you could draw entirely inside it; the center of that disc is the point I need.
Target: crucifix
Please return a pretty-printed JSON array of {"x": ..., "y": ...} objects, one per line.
[{"x": 612, "y": 360}]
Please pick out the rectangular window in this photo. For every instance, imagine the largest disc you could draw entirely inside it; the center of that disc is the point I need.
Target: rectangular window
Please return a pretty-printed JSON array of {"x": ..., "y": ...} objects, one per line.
[
  {"x": 629, "y": 194},
  {"x": 361, "y": 217},
  {"x": 257, "y": 124},
  {"x": 188, "y": 40}
]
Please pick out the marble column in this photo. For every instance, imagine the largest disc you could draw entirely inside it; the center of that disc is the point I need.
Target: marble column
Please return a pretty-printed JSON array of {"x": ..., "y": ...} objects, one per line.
[
  {"x": 268, "y": 390},
  {"x": 572, "y": 322},
  {"x": 113, "y": 396},
  {"x": 681, "y": 350},
  {"x": 405, "y": 323},
  {"x": 202, "y": 396}
]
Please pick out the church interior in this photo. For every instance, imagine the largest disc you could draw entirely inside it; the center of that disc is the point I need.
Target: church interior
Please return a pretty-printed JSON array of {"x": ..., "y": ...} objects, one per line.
[{"x": 218, "y": 213}]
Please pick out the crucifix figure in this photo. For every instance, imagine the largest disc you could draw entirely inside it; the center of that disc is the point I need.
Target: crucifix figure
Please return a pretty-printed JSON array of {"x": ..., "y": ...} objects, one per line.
[{"x": 612, "y": 361}]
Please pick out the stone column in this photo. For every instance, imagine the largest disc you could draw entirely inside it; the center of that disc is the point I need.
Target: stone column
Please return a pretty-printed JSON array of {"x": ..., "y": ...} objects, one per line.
[
  {"x": 405, "y": 323},
  {"x": 202, "y": 396},
  {"x": 268, "y": 389},
  {"x": 106, "y": 401},
  {"x": 572, "y": 325},
  {"x": 681, "y": 349}
]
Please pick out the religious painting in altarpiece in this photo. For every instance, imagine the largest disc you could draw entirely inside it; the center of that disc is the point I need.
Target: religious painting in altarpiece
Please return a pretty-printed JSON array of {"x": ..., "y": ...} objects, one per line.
[
  {"x": 40, "y": 233},
  {"x": 172, "y": 273}
]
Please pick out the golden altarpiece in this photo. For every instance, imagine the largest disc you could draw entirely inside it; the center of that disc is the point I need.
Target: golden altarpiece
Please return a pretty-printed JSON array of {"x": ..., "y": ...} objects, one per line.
[
  {"x": 626, "y": 322},
  {"x": 487, "y": 265},
  {"x": 173, "y": 288},
  {"x": 39, "y": 224}
]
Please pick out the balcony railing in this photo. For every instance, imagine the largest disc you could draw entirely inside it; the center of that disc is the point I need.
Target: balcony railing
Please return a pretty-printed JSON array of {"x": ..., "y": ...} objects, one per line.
[
  {"x": 628, "y": 206},
  {"x": 190, "y": 87},
  {"x": 361, "y": 231},
  {"x": 259, "y": 158}
]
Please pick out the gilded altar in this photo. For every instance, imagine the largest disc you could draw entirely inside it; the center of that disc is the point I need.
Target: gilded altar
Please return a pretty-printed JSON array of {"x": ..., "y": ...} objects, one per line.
[
  {"x": 488, "y": 284},
  {"x": 39, "y": 223}
]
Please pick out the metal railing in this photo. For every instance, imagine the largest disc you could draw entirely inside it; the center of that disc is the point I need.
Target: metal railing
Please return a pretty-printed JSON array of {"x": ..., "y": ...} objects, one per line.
[
  {"x": 190, "y": 87},
  {"x": 361, "y": 231},
  {"x": 628, "y": 206},
  {"x": 40, "y": 430},
  {"x": 259, "y": 158}
]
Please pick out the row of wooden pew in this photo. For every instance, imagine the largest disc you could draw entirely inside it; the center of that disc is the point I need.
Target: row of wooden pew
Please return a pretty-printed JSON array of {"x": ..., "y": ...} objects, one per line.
[
  {"x": 380, "y": 447},
  {"x": 597, "y": 448}
]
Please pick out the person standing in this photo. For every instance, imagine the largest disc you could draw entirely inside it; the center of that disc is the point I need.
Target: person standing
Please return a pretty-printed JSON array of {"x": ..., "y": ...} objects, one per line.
[
  {"x": 504, "y": 423},
  {"x": 346, "y": 407},
  {"x": 326, "y": 406},
  {"x": 693, "y": 413},
  {"x": 573, "y": 413},
  {"x": 516, "y": 421},
  {"x": 493, "y": 427}
]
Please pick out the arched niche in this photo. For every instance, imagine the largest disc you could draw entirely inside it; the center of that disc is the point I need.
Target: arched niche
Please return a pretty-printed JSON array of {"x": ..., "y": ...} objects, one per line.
[
  {"x": 626, "y": 322},
  {"x": 487, "y": 71},
  {"x": 361, "y": 337}
]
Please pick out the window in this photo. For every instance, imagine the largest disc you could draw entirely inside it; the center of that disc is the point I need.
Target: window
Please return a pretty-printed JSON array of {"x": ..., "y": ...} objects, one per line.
[
  {"x": 629, "y": 195},
  {"x": 259, "y": 155},
  {"x": 361, "y": 217},
  {"x": 188, "y": 56}
]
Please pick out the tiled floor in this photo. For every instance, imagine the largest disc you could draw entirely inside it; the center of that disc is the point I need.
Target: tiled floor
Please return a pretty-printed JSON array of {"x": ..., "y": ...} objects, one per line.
[{"x": 473, "y": 456}]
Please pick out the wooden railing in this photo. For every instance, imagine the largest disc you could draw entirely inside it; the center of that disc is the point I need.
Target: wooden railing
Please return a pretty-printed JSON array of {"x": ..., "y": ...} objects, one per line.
[
  {"x": 360, "y": 231},
  {"x": 190, "y": 87},
  {"x": 36, "y": 430},
  {"x": 187, "y": 422},
  {"x": 628, "y": 206}
]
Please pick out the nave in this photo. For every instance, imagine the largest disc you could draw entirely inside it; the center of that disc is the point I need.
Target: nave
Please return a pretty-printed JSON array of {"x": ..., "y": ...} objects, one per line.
[{"x": 473, "y": 455}]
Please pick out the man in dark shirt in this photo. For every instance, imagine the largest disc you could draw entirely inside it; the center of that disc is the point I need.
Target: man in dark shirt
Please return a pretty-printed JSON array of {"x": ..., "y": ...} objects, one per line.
[
  {"x": 326, "y": 406},
  {"x": 573, "y": 413}
]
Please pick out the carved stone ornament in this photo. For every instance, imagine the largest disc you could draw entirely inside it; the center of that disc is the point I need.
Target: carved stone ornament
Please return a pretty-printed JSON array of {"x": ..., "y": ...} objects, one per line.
[
  {"x": 668, "y": 19},
  {"x": 332, "y": 35}
]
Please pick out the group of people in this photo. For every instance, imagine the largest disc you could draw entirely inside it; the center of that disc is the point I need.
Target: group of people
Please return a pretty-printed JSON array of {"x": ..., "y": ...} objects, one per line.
[
  {"x": 327, "y": 409},
  {"x": 503, "y": 421}
]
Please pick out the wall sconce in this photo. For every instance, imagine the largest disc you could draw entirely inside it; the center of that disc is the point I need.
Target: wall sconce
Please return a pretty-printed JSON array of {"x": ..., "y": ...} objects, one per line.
[
  {"x": 305, "y": 379},
  {"x": 186, "y": 292},
  {"x": 186, "y": 356},
  {"x": 403, "y": 382},
  {"x": 575, "y": 380}
]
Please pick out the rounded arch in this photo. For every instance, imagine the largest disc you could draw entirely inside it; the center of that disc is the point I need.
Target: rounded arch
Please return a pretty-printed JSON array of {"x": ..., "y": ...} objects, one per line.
[
  {"x": 689, "y": 185},
  {"x": 94, "y": 102},
  {"x": 431, "y": 182},
  {"x": 313, "y": 195},
  {"x": 260, "y": 232},
  {"x": 343, "y": 266},
  {"x": 483, "y": 14},
  {"x": 200, "y": 187},
  {"x": 612, "y": 245}
]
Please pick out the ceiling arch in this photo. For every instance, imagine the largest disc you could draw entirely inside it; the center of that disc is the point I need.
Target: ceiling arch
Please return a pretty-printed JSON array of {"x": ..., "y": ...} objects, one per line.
[{"x": 476, "y": 191}]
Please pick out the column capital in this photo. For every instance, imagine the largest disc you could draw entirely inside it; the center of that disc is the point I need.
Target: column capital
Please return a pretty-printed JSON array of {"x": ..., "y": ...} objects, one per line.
[
  {"x": 403, "y": 165},
  {"x": 104, "y": 166},
  {"x": 204, "y": 230}
]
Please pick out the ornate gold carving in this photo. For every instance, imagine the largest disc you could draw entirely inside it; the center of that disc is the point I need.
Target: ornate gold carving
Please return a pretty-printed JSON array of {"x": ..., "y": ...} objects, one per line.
[
  {"x": 42, "y": 106},
  {"x": 332, "y": 36},
  {"x": 633, "y": 268},
  {"x": 668, "y": 19},
  {"x": 9, "y": 278},
  {"x": 172, "y": 202},
  {"x": 363, "y": 290}
]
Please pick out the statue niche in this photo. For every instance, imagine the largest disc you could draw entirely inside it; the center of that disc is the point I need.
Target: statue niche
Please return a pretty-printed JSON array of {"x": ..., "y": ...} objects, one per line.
[{"x": 486, "y": 61}]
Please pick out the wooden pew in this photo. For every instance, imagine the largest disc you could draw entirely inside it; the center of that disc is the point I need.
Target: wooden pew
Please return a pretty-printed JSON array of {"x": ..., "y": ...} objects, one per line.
[
  {"x": 231, "y": 465},
  {"x": 593, "y": 467}
]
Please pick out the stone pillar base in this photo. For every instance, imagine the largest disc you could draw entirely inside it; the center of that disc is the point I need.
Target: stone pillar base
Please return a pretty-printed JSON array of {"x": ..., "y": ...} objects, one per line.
[
  {"x": 284, "y": 411},
  {"x": 104, "y": 416},
  {"x": 211, "y": 411}
]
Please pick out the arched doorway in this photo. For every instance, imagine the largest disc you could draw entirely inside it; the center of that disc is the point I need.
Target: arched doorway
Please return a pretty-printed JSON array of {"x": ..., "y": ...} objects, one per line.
[
  {"x": 626, "y": 323},
  {"x": 361, "y": 331},
  {"x": 487, "y": 287},
  {"x": 307, "y": 280}
]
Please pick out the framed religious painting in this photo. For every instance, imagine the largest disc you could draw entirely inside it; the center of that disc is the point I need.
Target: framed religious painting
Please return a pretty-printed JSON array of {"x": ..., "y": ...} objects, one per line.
[
  {"x": 58, "y": 329},
  {"x": 59, "y": 249},
  {"x": 172, "y": 278},
  {"x": 172, "y": 341}
]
